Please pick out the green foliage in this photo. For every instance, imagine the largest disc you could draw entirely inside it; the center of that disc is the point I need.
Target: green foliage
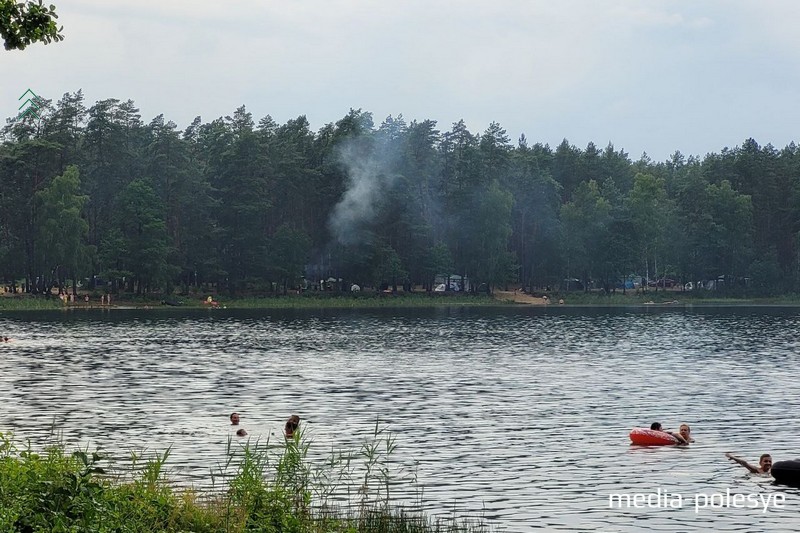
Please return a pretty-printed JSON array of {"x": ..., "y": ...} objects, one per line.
[
  {"x": 363, "y": 300},
  {"x": 728, "y": 228},
  {"x": 490, "y": 231},
  {"x": 387, "y": 267},
  {"x": 439, "y": 260},
  {"x": 585, "y": 222},
  {"x": 247, "y": 208},
  {"x": 270, "y": 491},
  {"x": 23, "y": 23},
  {"x": 142, "y": 235},
  {"x": 62, "y": 228},
  {"x": 289, "y": 250},
  {"x": 29, "y": 304},
  {"x": 650, "y": 211}
]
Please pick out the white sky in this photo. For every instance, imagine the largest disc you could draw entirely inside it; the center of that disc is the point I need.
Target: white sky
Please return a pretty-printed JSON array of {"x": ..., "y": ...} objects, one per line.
[{"x": 650, "y": 76}]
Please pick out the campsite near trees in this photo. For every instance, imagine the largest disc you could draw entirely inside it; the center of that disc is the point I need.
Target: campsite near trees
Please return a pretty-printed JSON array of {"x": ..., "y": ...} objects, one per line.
[{"x": 251, "y": 206}]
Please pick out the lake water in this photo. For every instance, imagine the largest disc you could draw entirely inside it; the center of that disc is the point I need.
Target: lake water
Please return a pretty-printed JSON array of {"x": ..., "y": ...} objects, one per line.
[{"x": 520, "y": 415}]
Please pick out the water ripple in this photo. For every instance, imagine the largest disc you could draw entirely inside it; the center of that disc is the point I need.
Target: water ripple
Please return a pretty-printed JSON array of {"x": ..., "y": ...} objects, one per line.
[{"x": 518, "y": 415}]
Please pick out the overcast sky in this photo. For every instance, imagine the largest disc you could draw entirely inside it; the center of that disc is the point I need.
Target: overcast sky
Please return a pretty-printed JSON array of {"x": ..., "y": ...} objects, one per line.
[{"x": 649, "y": 76}]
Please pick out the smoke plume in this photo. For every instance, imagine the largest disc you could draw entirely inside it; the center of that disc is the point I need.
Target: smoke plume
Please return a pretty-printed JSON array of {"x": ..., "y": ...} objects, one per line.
[{"x": 369, "y": 176}]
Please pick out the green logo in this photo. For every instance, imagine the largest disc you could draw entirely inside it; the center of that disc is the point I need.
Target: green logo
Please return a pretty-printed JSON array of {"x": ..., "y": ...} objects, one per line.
[{"x": 32, "y": 104}]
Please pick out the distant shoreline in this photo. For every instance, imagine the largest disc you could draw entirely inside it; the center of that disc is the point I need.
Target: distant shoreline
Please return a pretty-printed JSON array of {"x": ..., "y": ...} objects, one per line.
[{"x": 662, "y": 299}]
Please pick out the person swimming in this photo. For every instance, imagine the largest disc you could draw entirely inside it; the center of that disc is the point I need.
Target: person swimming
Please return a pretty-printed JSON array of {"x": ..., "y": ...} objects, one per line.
[
  {"x": 235, "y": 422},
  {"x": 764, "y": 463},
  {"x": 683, "y": 434},
  {"x": 291, "y": 426}
]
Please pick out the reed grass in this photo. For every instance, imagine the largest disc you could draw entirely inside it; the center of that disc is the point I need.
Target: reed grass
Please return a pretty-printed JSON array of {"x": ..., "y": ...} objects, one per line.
[
  {"x": 29, "y": 303},
  {"x": 661, "y": 297},
  {"x": 291, "y": 301},
  {"x": 364, "y": 301},
  {"x": 369, "y": 300},
  {"x": 270, "y": 489}
]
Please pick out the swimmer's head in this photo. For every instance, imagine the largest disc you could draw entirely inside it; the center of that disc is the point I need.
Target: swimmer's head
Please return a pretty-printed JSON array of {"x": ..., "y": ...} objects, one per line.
[
  {"x": 235, "y": 419},
  {"x": 685, "y": 431},
  {"x": 291, "y": 425},
  {"x": 655, "y": 426},
  {"x": 241, "y": 433},
  {"x": 765, "y": 462}
]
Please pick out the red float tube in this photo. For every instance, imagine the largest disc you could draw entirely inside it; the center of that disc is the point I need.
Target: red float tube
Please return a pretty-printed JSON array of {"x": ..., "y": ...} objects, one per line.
[{"x": 651, "y": 437}]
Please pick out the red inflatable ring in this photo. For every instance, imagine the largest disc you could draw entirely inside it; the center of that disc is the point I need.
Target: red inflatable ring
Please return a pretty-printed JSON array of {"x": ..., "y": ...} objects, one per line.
[{"x": 651, "y": 437}]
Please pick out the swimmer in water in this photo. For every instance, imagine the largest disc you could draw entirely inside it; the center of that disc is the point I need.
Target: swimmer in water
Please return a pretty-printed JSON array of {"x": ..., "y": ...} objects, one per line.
[
  {"x": 241, "y": 433},
  {"x": 683, "y": 435},
  {"x": 291, "y": 426},
  {"x": 764, "y": 463},
  {"x": 234, "y": 419}
]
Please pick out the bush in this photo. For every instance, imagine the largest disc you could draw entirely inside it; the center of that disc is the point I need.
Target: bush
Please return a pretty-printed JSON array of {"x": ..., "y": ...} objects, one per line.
[{"x": 58, "y": 492}]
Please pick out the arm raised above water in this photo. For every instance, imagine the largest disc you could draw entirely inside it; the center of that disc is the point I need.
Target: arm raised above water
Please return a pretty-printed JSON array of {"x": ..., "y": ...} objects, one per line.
[{"x": 742, "y": 462}]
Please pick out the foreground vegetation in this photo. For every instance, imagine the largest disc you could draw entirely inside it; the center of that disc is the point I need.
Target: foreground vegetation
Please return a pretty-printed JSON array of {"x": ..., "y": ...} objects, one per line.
[{"x": 272, "y": 489}]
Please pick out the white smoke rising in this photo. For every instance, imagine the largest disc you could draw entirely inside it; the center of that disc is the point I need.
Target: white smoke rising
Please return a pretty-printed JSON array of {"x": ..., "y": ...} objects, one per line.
[{"x": 369, "y": 177}]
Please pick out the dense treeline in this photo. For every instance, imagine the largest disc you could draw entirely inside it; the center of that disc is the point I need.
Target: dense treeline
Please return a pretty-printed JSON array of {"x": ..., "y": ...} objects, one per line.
[{"x": 252, "y": 206}]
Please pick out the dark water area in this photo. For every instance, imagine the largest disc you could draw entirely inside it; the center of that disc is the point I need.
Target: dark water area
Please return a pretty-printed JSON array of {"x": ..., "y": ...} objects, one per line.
[{"x": 520, "y": 415}]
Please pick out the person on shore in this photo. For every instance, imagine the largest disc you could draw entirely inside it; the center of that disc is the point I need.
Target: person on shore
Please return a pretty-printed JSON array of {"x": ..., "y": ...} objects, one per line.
[
  {"x": 764, "y": 463},
  {"x": 291, "y": 426}
]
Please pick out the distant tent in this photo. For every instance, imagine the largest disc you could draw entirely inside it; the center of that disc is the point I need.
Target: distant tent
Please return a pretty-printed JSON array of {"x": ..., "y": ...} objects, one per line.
[{"x": 457, "y": 283}]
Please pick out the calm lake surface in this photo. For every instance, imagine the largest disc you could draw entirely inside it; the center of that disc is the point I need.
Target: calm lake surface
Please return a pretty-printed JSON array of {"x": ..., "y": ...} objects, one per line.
[{"x": 520, "y": 415}]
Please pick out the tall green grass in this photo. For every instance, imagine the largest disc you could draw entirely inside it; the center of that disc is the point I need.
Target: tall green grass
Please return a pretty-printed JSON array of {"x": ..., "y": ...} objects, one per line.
[
  {"x": 29, "y": 303},
  {"x": 267, "y": 489},
  {"x": 360, "y": 301},
  {"x": 365, "y": 300}
]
